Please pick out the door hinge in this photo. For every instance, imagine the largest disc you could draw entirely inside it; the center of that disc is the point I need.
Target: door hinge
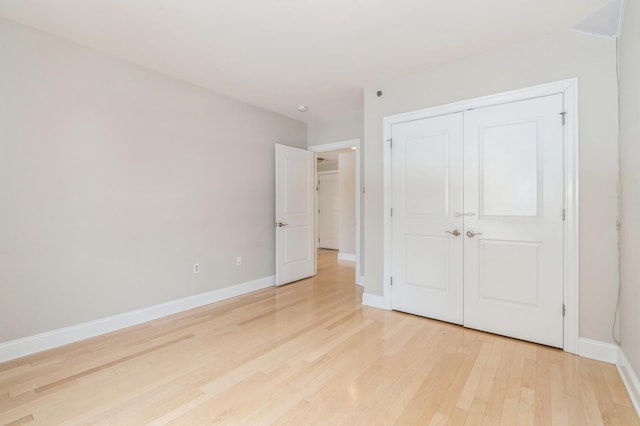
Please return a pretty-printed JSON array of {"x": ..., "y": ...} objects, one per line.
[
  {"x": 564, "y": 214},
  {"x": 391, "y": 280},
  {"x": 318, "y": 211},
  {"x": 564, "y": 310},
  {"x": 363, "y": 189},
  {"x": 390, "y": 143},
  {"x": 391, "y": 211},
  {"x": 564, "y": 118}
]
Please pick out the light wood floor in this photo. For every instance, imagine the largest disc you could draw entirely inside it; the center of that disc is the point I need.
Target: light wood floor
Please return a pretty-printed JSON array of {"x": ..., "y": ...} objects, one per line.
[{"x": 309, "y": 353}]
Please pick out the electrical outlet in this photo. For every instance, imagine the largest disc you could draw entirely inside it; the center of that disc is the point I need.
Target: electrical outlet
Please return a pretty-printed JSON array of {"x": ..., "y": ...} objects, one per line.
[
  {"x": 238, "y": 261},
  {"x": 196, "y": 268}
]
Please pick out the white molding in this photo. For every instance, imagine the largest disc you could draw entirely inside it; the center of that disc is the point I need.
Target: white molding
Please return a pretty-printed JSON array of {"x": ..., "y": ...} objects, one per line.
[
  {"x": 569, "y": 89},
  {"x": 328, "y": 172},
  {"x": 630, "y": 379},
  {"x": 349, "y": 257},
  {"x": 572, "y": 223},
  {"x": 335, "y": 146},
  {"x": 375, "y": 301},
  {"x": 546, "y": 89},
  {"x": 600, "y": 351},
  {"x": 63, "y": 336},
  {"x": 360, "y": 280},
  {"x": 346, "y": 144}
]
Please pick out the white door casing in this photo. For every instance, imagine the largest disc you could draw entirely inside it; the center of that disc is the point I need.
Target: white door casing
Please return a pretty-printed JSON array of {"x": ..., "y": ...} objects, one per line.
[
  {"x": 294, "y": 216},
  {"x": 329, "y": 210},
  {"x": 513, "y": 186},
  {"x": 427, "y": 201}
]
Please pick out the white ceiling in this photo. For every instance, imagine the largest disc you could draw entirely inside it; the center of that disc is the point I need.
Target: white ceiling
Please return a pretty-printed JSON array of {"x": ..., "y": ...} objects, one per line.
[{"x": 280, "y": 53}]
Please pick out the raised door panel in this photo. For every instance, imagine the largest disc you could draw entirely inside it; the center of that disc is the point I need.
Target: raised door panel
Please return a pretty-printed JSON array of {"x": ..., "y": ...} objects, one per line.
[
  {"x": 427, "y": 175},
  {"x": 509, "y": 170}
]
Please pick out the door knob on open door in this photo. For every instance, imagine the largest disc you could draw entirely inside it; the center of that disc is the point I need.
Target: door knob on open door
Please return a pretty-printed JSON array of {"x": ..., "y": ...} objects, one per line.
[
  {"x": 455, "y": 233},
  {"x": 280, "y": 224},
  {"x": 472, "y": 234}
]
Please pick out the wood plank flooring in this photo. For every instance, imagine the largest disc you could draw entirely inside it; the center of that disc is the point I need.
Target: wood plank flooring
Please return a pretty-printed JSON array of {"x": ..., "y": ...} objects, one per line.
[{"x": 309, "y": 353}]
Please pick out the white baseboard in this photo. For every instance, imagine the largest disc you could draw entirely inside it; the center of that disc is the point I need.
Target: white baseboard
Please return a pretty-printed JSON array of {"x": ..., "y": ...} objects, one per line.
[
  {"x": 360, "y": 280},
  {"x": 630, "y": 379},
  {"x": 347, "y": 256},
  {"x": 63, "y": 336},
  {"x": 600, "y": 351},
  {"x": 375, "y": 301}
]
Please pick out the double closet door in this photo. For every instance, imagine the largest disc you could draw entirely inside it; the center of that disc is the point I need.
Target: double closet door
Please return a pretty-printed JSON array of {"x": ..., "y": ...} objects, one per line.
[{"x": 477, "y": 219}]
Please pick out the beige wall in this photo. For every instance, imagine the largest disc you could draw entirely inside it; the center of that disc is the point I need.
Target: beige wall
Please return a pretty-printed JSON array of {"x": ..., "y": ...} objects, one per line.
[
  {"x": 115, "y": 180},
  {"x": 554, "y": 57},
  {"x": 630, "y": 183},
  {"x": 340, "y": 129},
  {"x": 346, "y": 193}
]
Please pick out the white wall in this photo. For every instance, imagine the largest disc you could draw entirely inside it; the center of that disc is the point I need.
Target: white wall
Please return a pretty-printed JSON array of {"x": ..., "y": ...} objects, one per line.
[
  {"x": 347, "y": 193},
  {"x": 551, "y": 58},
  {"x": 339, "y": 129},
  {"x": 630, "y": 182},
  {"x": 114, "y": 180}
]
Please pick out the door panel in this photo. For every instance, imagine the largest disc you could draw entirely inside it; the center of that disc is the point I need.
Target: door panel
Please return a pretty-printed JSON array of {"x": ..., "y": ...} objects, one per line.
[
  {"x": 426, "y": 263},
  {"x": 427, "y": 194},
  {"x": 426, "y": 175},
  {"x": 329, "y": 211},
  {"x": 295, "y": 252},
  {"x": 509, "y": 271},
  {"x": 509, "y": 171},
  {"x": 513, "y": 179}
]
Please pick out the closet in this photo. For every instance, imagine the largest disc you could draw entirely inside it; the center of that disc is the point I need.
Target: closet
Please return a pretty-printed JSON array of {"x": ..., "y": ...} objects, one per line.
[{"x": 477, "y": 218}]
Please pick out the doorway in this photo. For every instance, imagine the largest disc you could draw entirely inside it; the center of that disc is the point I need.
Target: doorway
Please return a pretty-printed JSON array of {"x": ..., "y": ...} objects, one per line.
[{"x": 340, "y": 161}]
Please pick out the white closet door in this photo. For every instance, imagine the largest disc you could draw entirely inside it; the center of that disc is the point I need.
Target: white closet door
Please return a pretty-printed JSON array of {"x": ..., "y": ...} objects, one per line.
[
  {"x": 513, "y": 179},
  {"x": 427, "y": 199}
]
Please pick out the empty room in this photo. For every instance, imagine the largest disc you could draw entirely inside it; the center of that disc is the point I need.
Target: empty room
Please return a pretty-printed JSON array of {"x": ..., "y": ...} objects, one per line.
[{"x": 331, "y": 212}]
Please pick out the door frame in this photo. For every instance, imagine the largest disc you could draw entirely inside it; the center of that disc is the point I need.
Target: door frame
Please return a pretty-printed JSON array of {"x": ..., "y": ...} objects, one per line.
[
  {"x": 345, "y": 144},
  {"x": 569, "y": 89}
]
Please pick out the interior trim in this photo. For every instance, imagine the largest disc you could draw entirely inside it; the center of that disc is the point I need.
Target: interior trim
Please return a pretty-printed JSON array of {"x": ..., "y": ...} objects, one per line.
[{"x": 63, "y": 336}]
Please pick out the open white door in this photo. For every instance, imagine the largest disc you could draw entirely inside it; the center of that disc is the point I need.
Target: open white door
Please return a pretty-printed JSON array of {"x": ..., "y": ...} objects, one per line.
[{"x": 295, "y": 250}]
